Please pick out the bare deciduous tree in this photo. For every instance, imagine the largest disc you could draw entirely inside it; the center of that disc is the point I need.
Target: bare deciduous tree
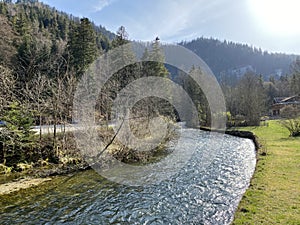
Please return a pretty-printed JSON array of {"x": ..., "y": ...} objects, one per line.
[
  {"x": 250, "y": 98},
  {"x": 7, "y": 85},
  {"x": 37, "y": 93}
]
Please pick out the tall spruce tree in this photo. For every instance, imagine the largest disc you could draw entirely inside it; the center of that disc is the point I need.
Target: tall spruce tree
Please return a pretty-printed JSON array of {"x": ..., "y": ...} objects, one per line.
[
  {"x": 155, "y": 58},
  {"x": 153, "y": 66},
  {"x": 82, "y": 46},
  {"x": 124, "y": 56}
]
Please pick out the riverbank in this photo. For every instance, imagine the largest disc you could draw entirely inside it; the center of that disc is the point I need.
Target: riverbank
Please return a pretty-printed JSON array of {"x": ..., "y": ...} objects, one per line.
[
  {"x": 16, "y": 181},
  {"x": 33, "y": 176},
  {"x": 237, "y": 133},
  {"x": 20, "y": 184},
  {"x": 274, "y": 193},
  {"x": 88, "y": 198},
  {"x": 69, "y": 160}
]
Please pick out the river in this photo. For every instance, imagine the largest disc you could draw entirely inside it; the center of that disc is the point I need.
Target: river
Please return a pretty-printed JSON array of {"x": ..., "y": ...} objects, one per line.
[{"x": 195, "y": 194}]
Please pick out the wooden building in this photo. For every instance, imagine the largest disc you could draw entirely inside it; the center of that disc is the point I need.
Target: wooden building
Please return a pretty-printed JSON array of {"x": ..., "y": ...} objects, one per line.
[{"x": 280, "y": 102}]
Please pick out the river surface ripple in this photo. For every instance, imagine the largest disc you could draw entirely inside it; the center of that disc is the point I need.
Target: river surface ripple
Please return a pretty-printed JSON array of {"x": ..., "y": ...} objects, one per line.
[{"x": 196, "y": 194}]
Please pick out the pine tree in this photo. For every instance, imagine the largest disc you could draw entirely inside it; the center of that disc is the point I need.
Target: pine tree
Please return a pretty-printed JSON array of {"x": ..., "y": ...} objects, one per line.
[
  {"x": 153, "y": 66},
  {"x": 17, "y": 138},
  {"x": 124, "y": 56},
  {"x": 22, "y": 24},
  {"x": 155, "y": 58},
  {"x": 32, "y": 57},
  {"x": 82, "y": 46},
  {"x": 3, "y": 8},
  {"x": 26, "y": 1}
]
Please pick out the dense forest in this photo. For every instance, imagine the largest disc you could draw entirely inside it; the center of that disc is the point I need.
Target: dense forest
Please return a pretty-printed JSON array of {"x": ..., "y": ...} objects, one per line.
[
  {"x": 44, "y": 53},
  {"x": 31, "y": 25},
  {"x": 225, "y": 57}
]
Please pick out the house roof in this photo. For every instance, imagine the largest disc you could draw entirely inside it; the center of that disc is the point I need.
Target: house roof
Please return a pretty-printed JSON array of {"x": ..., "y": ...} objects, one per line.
[
  {"x": 287, "y": 100},
  {"x": 279, "y": 99}
]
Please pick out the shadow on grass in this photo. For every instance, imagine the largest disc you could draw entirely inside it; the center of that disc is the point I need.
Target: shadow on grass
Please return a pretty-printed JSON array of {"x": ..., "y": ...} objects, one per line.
[{"x": 290, "y": 138}]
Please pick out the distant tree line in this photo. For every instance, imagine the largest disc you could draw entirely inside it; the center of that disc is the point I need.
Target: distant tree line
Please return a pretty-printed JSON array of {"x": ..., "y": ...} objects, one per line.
[
  {"x": 251, "y": 97},
  {"x": 224, "y": 56}
]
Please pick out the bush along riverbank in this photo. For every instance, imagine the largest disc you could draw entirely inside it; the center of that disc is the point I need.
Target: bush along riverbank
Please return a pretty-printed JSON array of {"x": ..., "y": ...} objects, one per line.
[{"x": 45, "y": 161}]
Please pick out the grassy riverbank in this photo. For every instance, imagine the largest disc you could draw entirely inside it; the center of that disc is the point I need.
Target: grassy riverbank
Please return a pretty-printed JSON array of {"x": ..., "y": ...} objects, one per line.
[{"x": 274, "y": 194}]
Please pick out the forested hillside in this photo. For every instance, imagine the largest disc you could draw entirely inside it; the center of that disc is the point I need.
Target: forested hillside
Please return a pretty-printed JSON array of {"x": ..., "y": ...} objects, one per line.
[
  {"x": 43, "y": 55},
  {"x": 225, "y": 57},
  {"x": 29, "y": 29}
]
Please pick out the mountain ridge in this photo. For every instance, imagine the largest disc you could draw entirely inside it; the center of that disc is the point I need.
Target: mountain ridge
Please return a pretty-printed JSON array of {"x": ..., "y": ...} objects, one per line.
[{"x": 225, "y": 57}]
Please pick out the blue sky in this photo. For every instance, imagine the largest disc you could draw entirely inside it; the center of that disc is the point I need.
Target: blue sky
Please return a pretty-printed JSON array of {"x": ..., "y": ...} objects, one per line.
[{"x": 269, "y": 24}]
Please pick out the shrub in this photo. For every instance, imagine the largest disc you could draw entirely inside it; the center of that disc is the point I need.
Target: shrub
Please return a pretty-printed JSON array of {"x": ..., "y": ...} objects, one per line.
[{"x": 291, "y": 120}]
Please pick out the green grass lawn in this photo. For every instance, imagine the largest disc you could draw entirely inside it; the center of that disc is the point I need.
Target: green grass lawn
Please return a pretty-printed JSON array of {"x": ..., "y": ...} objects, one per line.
[{"x": 274, "y": 194}]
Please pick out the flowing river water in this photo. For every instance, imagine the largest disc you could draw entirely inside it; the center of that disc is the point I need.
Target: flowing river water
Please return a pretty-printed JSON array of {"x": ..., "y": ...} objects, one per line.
[{"x": 196, "y": 194}]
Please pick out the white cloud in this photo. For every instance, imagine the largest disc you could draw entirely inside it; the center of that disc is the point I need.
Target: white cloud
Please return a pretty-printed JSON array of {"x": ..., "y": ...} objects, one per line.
[
  {"x": 100, "y": 4},
  {"x": 93, "y": 6},
  {"x": 80, "y": 8}
]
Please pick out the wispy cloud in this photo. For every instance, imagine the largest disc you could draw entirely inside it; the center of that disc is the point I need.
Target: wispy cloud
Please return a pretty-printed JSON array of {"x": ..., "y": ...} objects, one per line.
[
  {"x": 80, "y": 8},
  {"x": 170, "y": 19},
  {"x": 100, "y": 4}
]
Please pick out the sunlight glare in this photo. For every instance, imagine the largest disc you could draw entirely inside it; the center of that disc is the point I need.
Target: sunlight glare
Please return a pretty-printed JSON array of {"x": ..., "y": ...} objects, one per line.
[{"x": 277, "y": 17}]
